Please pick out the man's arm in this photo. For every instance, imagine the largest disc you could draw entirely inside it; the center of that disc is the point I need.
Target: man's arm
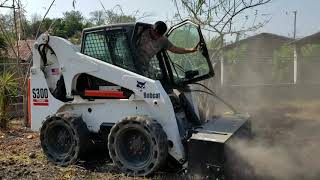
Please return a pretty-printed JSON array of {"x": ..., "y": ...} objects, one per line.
[{"x": 179, "y": 50}]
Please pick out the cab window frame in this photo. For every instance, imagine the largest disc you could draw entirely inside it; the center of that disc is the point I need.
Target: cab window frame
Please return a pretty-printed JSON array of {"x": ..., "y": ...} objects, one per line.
[
  {"x": 83, "y": 44},
  {"x": 204, "y": 53},
  {"x": 108, "y": 48}
]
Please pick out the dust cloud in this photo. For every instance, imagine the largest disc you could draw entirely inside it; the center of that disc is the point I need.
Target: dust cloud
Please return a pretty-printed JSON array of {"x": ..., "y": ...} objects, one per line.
[
  {"x": 285, "y": 124},
  {"x": 291, "y": 158},
  {"x": 286, "y": 129}
]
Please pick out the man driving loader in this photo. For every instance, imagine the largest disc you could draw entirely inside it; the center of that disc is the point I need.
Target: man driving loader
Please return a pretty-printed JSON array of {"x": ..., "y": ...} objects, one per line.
[{"x": 151, "y": 42}]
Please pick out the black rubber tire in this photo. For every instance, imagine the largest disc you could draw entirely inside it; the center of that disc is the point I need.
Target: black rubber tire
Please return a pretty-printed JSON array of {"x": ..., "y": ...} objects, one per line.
[
  {"x": 64, "y": 138},
  {"x": 138, "y": 145}
]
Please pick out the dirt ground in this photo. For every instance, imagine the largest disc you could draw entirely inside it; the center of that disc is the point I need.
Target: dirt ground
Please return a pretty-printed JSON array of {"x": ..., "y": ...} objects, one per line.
[
  {"x": 21, "y": 157},
  {"x": 285, "y": 146}
]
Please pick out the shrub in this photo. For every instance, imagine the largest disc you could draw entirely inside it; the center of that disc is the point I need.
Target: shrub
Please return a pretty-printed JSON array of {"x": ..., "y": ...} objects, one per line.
[{"x": 8, "y": 89}]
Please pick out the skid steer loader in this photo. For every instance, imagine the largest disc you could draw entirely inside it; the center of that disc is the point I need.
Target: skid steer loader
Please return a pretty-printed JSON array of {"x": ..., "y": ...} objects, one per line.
[{"x": 78, "y": 95}]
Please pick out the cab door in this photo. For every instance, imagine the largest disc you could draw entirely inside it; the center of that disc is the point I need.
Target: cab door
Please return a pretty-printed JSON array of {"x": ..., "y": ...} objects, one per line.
[{"x": 191, "y": 67}]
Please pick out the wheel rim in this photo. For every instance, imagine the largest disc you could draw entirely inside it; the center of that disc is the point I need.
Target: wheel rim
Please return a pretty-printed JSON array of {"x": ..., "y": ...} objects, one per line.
[
  {"x": 134, "y": 147},
  {"x": 59, "y": 139}
]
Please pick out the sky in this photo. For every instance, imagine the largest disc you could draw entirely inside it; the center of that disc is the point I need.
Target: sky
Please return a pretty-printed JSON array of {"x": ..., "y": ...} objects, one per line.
[{"x": 280, "y": 12}]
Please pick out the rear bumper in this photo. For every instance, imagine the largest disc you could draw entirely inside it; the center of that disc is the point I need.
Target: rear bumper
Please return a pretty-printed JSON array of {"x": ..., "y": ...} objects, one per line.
[{"x": 209, "y": 155}]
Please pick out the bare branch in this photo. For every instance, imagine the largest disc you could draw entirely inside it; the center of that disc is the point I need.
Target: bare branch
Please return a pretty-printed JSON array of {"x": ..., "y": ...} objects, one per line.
[
  {"x": 45, "y": 15},
  {"x": 103, "y": 6},
  {"x": 4, "y": 2},
  {"x": 5, "y": 34},
  {"x": 220, "y": 16},
  {"x": 176, "y": 5},
  {"x": 244, "y": 8}
]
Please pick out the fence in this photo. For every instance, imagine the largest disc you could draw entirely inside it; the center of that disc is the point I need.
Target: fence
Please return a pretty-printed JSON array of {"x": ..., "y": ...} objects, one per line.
[
  {"x": 264, "y": 80},
  {"x": 267, "y": 71},
  {"x": 16, "y": 102},
  {"x": 309, "y": 70}
]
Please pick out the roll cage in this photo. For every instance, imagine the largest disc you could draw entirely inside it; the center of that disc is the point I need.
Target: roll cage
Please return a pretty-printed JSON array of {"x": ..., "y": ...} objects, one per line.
[{"x": 117, "y": 44}]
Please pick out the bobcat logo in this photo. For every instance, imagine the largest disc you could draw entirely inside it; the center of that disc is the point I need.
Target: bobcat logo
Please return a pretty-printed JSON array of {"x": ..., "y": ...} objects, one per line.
[{"x": 141, "y": 85}]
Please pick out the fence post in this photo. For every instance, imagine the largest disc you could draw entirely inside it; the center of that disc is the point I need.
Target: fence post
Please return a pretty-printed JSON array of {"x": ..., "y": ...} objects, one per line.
[
  {"x": 221, "y": 71},
  {"x": 295, "y": 64}
]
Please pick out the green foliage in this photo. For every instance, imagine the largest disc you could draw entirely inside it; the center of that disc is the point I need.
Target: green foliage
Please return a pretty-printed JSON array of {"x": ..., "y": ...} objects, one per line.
[
  {"x": 8, "y": 88},
  {"x": 58, "y": 28},
  {"x": 310, "y": 50},
  {"x": 232, "y": 57},
  {"x": 282, "y": 58},
  {"x": 73, "y": 22},
  {"x": 114, "y": 18},
  {"x": 214, "y": 43},
  {"x": 7, "y": 22},
  {"x": 97, "y": 17},
  {"x": 238, "y": 52},
  {"x": 8, "y": 27},
  {"x": 69, "y": 26},
  {"x": 76, "y": 38},
  {"x": 283, "y": 51},
  {"x": 187, "y": 36}
]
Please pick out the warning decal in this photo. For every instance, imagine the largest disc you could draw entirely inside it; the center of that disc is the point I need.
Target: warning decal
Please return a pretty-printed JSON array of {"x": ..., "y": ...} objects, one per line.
[{"x": 40, "y": 102}]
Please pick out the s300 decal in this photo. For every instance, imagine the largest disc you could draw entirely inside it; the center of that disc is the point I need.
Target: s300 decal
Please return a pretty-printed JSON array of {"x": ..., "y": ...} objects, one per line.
[{"x": 40, "y": 96}]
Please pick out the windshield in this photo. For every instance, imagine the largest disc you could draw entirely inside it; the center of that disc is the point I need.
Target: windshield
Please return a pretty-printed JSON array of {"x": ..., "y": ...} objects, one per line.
[{"x": 187, "y": 66}]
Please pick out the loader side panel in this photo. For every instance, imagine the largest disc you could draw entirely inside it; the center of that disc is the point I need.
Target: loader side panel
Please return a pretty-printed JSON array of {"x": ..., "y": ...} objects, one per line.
[
  {"x": 42, "y": 102},
  {"x": 101, "y": 111}
]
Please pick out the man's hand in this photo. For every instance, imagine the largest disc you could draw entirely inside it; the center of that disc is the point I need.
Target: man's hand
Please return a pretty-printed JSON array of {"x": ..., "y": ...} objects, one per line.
[{"x": 195, "y": 49}]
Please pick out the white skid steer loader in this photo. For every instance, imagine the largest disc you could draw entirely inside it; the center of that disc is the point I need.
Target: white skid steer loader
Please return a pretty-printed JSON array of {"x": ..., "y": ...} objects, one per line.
[{"x": 145, "y": 121}]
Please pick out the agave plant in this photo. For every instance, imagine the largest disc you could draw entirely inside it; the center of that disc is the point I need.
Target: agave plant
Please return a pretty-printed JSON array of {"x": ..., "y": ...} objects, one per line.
[{"x": 8, "y": 89}]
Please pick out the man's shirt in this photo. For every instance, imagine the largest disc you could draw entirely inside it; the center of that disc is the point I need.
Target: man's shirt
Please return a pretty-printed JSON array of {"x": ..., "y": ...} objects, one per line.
[{"x": 148, "y": 47}]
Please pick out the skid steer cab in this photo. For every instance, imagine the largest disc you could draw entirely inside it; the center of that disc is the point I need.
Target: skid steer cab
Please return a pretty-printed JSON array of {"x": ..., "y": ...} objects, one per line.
[{"x": 97, "y": 94}]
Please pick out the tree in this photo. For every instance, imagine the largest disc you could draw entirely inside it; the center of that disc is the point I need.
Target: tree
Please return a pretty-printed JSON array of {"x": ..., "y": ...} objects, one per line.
[
  {"x": 7, "y": 28},
  {"x": 7, "y": 22},
  {"x": 97, "y": 17},
  {"x": 111, "y": 16},
  {"x": 76, "y": 38},
  {"x": 31, "y": 27},
  {"x": 58, "y": 28},
  {"x": 114, "y": 18},
  {"x": 7, "y": 34},
  {"x": 73, "y": 22},
  {"x": 116, "y": 15},
  {"x": 221, "y": 16}
]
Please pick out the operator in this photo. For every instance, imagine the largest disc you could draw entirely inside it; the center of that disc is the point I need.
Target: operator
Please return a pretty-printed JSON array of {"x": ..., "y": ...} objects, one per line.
[{"x": 151, "y": 42}]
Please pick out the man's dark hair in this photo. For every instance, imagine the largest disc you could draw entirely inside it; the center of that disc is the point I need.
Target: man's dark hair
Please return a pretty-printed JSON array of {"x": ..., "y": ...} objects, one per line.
[{"x": 160, "y": 27}]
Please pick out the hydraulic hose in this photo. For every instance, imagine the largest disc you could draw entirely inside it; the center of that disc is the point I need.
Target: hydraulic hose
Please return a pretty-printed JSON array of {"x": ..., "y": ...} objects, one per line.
[{"x": 212, "y": 93}]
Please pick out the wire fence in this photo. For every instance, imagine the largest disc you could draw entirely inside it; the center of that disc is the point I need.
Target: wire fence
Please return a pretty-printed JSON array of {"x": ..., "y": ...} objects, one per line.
[
  {"x": 309, "y": 70},
  {"x": 267, "y": 71},
  {"x": 265, "y": 80},
  {"x": 17, "y": 102}
]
